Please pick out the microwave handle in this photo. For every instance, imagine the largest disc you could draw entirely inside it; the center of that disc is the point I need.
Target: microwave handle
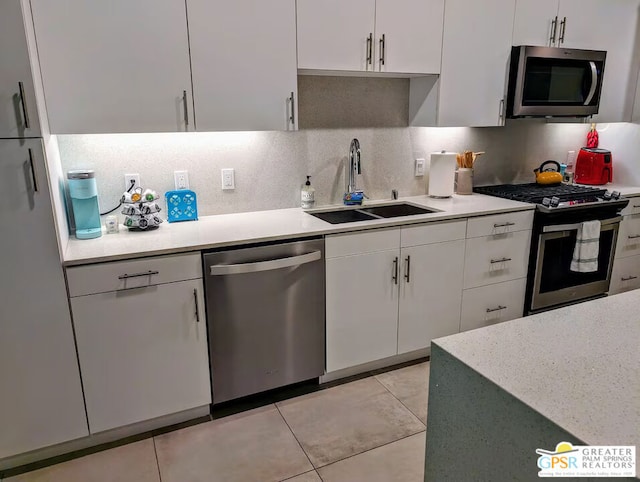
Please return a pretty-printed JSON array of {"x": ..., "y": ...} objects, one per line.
[{"x": 594, "y": 83}]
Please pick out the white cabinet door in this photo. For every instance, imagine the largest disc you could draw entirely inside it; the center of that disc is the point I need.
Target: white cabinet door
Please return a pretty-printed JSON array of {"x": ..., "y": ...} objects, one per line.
[
  {"x": 412, "y": 32},
  {"x": 243, "y": 60},
  {"x": 142, "y": 352},
  {"x": 18, "y": 115},
  {"x": 116, "y": 66},
  {"x": 41, "y": 402},
  {"x": 606, "y": 25},
  {"x": 492, "y": 304},
  {"x": 628, "y": 243},
  {"x": 430, "y": 293},
  {"x": 362, "y": 308},
  {"x": 332, "y": 34},
  {"x": 475, "y": 55},
  {"x": 536, "y": 22}
]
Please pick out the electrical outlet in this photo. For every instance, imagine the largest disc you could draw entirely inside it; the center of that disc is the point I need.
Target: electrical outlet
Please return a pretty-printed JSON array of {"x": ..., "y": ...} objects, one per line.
[
  {"x": 181, "y": 179},
  {"x": 127, "y": 181},
  {"x": 419, "y": 171},
  {"x": 228, "y": 179}
]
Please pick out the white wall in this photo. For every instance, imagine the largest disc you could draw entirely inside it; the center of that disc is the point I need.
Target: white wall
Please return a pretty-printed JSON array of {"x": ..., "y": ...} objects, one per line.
[{"x": 271, "y": 166}]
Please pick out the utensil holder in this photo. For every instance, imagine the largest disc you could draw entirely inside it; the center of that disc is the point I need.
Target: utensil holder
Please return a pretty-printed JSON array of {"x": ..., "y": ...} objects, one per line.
[{"x": 464, "y": 181}]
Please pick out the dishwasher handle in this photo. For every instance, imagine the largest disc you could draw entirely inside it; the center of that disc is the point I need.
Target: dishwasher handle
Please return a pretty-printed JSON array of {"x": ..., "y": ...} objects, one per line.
[{"x": 227, "y": 269}]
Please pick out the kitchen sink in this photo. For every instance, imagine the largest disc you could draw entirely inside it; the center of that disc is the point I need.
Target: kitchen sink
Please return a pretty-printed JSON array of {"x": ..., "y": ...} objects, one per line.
[
  {"x": 342, "y": 215},
  {"x": 397, "y": 210}
]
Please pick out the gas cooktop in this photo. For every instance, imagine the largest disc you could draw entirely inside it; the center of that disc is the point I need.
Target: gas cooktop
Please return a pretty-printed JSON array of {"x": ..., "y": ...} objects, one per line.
[{"x": 553, "y": 197}]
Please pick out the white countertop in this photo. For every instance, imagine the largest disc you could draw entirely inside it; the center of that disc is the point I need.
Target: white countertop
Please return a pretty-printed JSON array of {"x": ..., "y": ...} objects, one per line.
[
  {"x": 241, "y": 228},
  {"x": 577, "y": 366}
]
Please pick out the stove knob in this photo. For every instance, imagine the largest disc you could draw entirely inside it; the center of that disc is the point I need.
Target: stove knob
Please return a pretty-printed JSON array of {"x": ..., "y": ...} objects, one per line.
[
  {"x": 615, "y": 195},
  {"x": 546, "y": 202},
  {"x": 607, "y": 196},
  {"x": 555, "y": 201}
]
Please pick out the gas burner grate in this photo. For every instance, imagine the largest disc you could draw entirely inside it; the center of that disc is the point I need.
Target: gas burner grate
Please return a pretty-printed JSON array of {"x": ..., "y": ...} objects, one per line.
[{"x": 535, "y": 193}]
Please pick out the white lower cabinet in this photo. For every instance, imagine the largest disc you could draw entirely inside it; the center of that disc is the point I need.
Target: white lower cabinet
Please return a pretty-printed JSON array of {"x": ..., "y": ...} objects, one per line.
[
  {"x": 492, "y": 304},
  {"x": 431, "y": 294},
  {"x": 143, "y": 351},
  {"x": 362, "y": 309},
  {"x": 625, "y": 275}
]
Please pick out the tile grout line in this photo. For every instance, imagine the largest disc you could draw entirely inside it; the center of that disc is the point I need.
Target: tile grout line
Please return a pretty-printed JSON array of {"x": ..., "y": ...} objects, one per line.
[
  {"x": 401, "y": 402},
  {"x": 296, "y": 438},
  {"x": 155, "y": 450}
]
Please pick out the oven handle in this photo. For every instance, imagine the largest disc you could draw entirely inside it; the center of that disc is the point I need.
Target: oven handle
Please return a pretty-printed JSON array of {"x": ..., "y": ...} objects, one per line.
[
  {"x": 594, "y": 83},
  {"x": 227, "y": 269},
  {"x": 571, "y": 227}
]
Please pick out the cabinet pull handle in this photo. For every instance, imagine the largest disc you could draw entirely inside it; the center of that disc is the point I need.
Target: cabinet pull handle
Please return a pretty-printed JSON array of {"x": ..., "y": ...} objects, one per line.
[
  {"x": 395, "y": 270},
  {"x": 33, "y": 171},
  {"x": 503, "y": 260},
  {"x": 634, "y": 236},
  {"x": 504, "y": 225},
  {"x": 501, "y": 112},
  {"x": 186, "y": 108},
  {"x": 563, "y": 28},
  {"x": 369, "y": 48},
  {"x": 292, "y": 117},
  {"x": 382, "y": 42},
  {"x": 23, "y": 101},
  {"x": 554, "y": 30},
  {"x": 407, "y": 275},
  {"x": 195, "y": 300},
  {"x": 138, "y": 275},
  {"x": 499, "y": 308},
  {"x": 629, "y": 278}
]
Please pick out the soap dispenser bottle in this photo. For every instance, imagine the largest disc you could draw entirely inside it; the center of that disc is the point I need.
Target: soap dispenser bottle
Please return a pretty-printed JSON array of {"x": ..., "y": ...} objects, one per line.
[{"x": 307, "y": 195}]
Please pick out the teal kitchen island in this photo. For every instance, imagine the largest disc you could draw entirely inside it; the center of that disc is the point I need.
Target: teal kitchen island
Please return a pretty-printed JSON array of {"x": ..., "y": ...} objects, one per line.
[{"x": 498, "y": 394}]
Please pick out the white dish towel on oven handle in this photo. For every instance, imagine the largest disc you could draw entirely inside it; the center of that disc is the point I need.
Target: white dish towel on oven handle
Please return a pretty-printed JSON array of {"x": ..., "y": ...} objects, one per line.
[{"x": 585, "y": 254}]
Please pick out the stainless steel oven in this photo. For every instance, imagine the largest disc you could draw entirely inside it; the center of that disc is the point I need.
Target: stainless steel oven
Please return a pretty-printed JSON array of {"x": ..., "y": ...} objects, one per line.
[
  {"x": 554, "y": 283},
  {"x": 554, "y": 82}
]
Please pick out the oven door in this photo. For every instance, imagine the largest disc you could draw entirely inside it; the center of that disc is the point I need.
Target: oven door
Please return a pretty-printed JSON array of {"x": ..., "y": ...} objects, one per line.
[
  {"x": 555, "y": 82},
  {"x": 554, "y": 283}
]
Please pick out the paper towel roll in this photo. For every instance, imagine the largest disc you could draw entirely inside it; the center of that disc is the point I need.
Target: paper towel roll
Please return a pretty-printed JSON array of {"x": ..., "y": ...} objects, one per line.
[{"x": 442, "y": 174}]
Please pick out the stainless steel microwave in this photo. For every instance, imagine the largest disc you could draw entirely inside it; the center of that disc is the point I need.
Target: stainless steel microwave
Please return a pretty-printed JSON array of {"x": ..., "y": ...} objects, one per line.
[{"x": 554, "y": 82}]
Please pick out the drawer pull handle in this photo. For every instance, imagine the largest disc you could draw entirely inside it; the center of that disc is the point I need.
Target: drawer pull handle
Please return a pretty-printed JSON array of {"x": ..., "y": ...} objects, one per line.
[
  {"x": 636, "y": 206},
  {"x": 630, "y": 278},
  {"x": 503, "y": 260},
  {"x": 138, "y": 275},
  {"x": 499, "y": 308},
  {"x": 504, "y": 225},
  {"x": 195, "y": 300},
  {"x": 395, "y": 270},
  {"x": 634, "y": 236}
]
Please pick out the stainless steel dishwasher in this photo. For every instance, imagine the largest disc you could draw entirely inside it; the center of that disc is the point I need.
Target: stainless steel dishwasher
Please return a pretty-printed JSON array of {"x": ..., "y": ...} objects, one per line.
[{"x": 266, "y": 316}]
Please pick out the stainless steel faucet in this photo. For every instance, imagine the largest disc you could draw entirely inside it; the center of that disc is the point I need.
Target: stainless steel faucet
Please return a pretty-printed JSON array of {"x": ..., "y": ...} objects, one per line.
[{"x": 354, "y": 165}]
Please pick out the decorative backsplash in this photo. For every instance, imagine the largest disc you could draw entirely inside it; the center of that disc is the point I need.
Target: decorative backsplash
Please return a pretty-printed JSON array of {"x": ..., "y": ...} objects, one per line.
[{"x": 270, "y": 167}]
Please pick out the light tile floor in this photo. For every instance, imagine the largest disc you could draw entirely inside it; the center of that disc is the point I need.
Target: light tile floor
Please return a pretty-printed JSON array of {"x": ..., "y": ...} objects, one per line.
[{"x": 370, "y": 430}]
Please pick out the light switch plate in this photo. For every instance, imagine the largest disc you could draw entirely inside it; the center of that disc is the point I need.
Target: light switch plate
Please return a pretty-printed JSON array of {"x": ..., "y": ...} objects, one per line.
[
  {"x": 228, "y": 179},
  {"x": 419, "y": 167}
]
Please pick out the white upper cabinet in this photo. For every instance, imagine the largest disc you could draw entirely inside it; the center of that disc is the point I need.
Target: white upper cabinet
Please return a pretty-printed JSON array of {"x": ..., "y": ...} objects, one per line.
[
  {"x": 609, "y": 25},
  {"x": 536, "y": 23},
  {"x": 243, "y": 57},
  {"x": 116, "y": 66},
  {"x": 475, "y": 56},
  {"x": 336, "y": 35},
  {"x": 18, "y": 115},
  {"x": 408, "y": 36},
  {"x": 395, "y": 36}
]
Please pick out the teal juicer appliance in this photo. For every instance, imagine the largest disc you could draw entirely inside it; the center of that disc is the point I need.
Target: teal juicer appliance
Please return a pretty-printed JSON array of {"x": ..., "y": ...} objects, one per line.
[{"x": 83, "y": 192}]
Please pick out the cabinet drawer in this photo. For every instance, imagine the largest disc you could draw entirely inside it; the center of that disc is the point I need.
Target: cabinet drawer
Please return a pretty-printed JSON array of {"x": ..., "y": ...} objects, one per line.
[
  {"x": 492, "y": 304},
  {"x": 625, "y": 275},
  {"x": 500, "y": 224},
  {"x": 120, "y": 275},
  {"x": 629, "y": 236},
  {"x": 433, "y": 233},
  {"x": 494, "y": 259},
  {"x": 633, "y": 207},
  {"x": 362, "y": 242}
]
